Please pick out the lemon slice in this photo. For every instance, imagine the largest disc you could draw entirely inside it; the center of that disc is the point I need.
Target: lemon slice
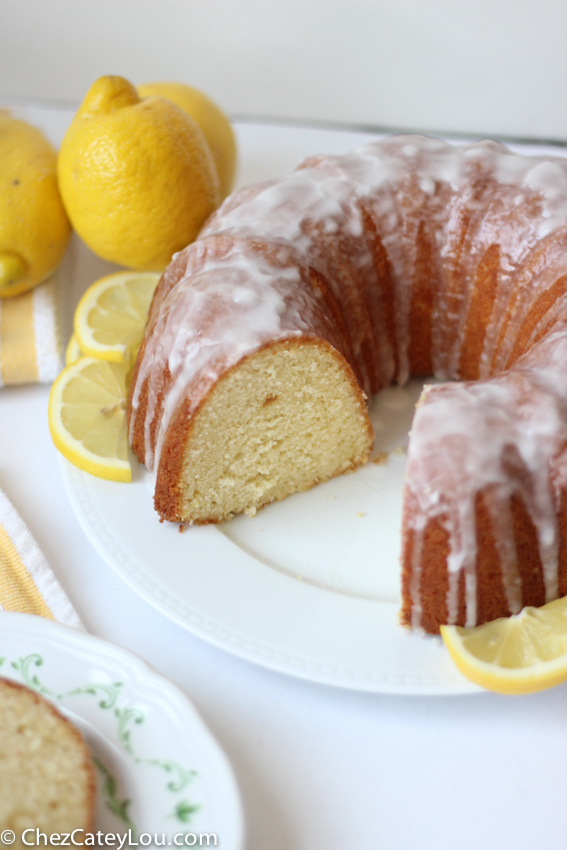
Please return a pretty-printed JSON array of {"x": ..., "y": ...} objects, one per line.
[
  {"x": 73, "y": 351},
  {"x": 514, "y": 655},
  {"x": 87, "y": 417},
  {"x": 111, "y": 316}
]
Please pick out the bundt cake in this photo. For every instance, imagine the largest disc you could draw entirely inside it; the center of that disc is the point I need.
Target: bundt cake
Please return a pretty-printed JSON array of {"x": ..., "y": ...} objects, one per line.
[
  {"x": 47, "y": 777},
  {"x": 304, "y": 296}
]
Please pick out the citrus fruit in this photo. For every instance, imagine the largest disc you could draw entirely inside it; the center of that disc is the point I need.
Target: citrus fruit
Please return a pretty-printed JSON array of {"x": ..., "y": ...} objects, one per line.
[
  {"x": 514, "y": 655},
  {"x": 34, "y": 228},
  {"x": 212, "y": 121},
  {"x": 73, "y": 351},
  {"x": 136, "y": 176},
  {"x": 87, "y": 417},
  {"x": 111, "y": 316}
]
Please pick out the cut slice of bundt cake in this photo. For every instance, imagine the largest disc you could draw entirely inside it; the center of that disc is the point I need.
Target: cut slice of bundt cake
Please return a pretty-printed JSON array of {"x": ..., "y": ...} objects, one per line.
[
  {"x": 47, "y": 778},
  {"x": 285, "y": 418},
  {"x": 405, "y": 256}
]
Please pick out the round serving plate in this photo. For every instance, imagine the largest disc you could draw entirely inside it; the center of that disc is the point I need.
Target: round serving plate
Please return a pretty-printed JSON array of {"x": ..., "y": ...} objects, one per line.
[
  {"x": 159, "y": 770},
  {"x": 308, "y": 587}
]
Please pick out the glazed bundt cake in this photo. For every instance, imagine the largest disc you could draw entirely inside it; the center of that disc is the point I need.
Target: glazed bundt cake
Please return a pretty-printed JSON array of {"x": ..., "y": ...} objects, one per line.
[{"x": 304, "y": 296}]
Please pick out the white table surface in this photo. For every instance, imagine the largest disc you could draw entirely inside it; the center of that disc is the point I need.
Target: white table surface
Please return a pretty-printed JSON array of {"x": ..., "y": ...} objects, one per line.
[{"x": 319, "y": 768}]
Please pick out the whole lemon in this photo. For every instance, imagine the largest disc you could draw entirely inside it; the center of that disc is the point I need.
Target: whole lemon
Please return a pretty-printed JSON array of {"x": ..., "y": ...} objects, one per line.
[
  {"x": 136, "y": 176},
  {"x": 34, "y": 229},
  {"x": 212, "y": 121}
]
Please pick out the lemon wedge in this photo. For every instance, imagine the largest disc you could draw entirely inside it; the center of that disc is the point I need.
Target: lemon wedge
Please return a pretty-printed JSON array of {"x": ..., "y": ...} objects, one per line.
[
  {"x": 111, "y": 316},
  {"x": 87, "y": 417},
  {"x": 514, "y": 655},
  {"x": 73, "y": 351}
]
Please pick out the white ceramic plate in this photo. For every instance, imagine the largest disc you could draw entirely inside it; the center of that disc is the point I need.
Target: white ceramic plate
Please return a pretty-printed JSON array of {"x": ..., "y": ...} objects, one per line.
[
  {"x": 159, "y": 769},
  {"x": 309, "y": 587}
]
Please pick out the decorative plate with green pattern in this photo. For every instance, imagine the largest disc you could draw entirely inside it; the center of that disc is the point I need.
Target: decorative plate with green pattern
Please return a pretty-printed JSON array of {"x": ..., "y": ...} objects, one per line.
[{"x": 159, "y": 769}]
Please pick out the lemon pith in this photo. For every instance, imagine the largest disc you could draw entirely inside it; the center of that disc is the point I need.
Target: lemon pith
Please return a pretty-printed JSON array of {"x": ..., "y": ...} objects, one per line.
[
  {"x": 137, "y": 177},
  {"x": 514, "y": 655},
  {"x": 34, "y": 228},
  {"x": 111, "y": 315},
  {"x": 87, "y": 417}
]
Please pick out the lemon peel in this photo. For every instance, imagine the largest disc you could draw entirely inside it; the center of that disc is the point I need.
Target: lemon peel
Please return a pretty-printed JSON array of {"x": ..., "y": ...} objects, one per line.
[
  {"x": 136, "y": 176},
  {"x": 34, "y": 228},
  {"x": 520, "y": 654},
  {"x": 111, "y": 315},
  {"x": 87, "y": 417},
  {"x": 73, "y": 351},
  {"x": 212, "y": 121}
]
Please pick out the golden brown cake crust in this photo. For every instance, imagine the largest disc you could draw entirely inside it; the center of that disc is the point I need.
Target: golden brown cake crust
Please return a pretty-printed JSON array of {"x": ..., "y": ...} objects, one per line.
[
  {"x": 492, "y": 602},
  {"x": 168, "y": 492},
  {"x": 406, "y": 256},
  {"x": 89, "y": 778}
]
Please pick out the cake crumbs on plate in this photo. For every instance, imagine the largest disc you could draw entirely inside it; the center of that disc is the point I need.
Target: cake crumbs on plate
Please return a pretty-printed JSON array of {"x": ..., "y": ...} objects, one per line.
[{"x": 381, "y": 457}]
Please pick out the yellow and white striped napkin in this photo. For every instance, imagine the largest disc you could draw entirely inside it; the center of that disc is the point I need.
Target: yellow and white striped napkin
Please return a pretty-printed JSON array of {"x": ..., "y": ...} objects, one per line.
[
  {"x": 27, "y": 583},
  {"x": 30, "y": 346}
]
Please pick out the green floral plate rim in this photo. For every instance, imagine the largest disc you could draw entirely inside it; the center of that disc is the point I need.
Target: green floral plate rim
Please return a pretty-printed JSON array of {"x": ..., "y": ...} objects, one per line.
[{"x": 160, "y": 771}]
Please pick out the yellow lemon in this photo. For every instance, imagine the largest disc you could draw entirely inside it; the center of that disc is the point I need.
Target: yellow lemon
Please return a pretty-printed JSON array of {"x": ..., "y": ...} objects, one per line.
[
  {"x": 87, "y": 417},
  {"x": 34, "y": 229},
  {"x": 73, "y": 351},
  {"x": 111, "y": 316},
  {"x": 136, "y": 176},
  {"x": 514, "y": 655},
  {"x": 212, "y": 121}
]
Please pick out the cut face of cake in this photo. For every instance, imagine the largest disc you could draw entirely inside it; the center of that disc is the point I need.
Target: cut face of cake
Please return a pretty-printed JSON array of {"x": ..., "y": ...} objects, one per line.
[
  {"x": 47, "y": 778},
  {"x": 304, "y": 296},
  {"x": 287, "y": 417}
]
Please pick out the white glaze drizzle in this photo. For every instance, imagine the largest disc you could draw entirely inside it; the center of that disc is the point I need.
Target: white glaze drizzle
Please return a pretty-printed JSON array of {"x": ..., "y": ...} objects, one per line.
[
  {"x": 502, "y": 435},
  {"x": 203, "y": 351},
  {"x": 498, "y": 504},
  {"x": 462, "y": 433}
]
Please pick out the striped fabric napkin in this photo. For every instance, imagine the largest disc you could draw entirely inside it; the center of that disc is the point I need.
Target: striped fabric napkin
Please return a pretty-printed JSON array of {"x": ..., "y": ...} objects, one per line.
[
  {"x": 27, "y": 583},
  {"x": 30, "y": 347}
]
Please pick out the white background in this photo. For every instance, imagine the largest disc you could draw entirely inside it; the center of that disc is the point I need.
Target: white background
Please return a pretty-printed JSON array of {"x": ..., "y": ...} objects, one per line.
[
  {"x": 484, "y": 66},
  {"x": 319, "y": 768}
]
